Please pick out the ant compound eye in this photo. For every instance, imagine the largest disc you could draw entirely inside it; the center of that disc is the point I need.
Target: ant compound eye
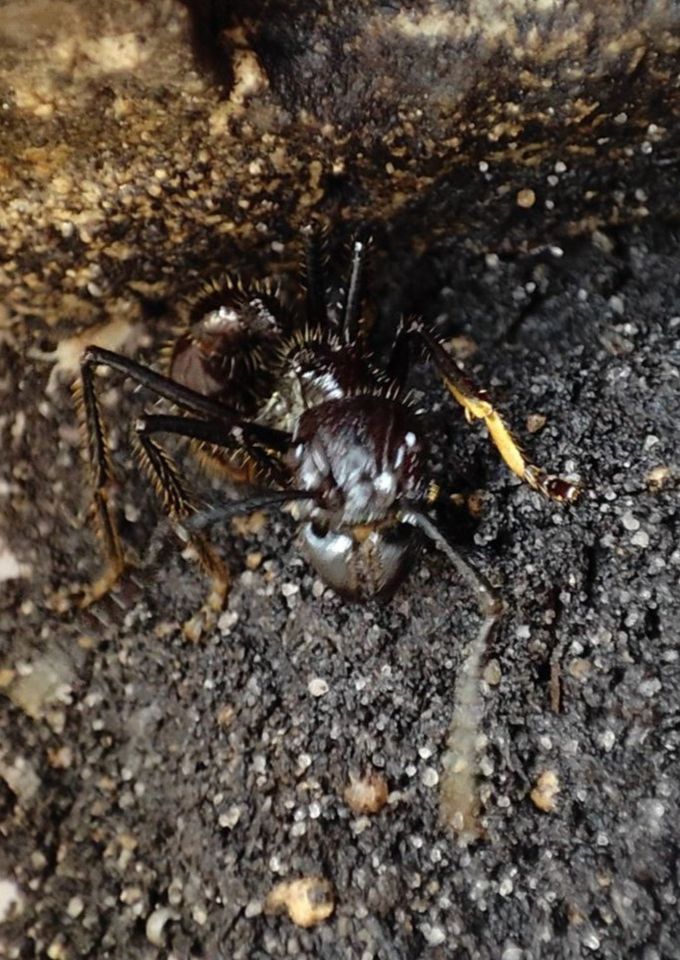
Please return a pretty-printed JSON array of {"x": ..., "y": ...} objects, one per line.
[{"x": 320, "y": 528}]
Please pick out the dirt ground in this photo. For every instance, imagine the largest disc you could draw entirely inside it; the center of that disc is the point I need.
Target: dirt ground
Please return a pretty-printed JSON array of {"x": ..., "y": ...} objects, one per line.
[
  {"x": 144, "y": 772},
  {"x": 153, "y": 792}
]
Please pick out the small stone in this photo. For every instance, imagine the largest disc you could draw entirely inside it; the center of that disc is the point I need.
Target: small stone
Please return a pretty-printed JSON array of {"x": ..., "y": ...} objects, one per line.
[
  {"x": 227, "y": 620},
  {"x": 629, "y": 521},
  {"x": 434, "y": 935},
  {"x": 225, "y": 716},
  {"x": 21, "y": 778},
  {"x": 290, "y": 589},
  {"x": 463, "y": 347},
  {"x": 318, "y": 588},
  {"x": 175, "y": 892},
  {"x": 429, "y": 777},
  {"x": 230, "y": 818},
  {"x": 253, "y": 560},
  {"x": 47, "y": 682},
  {"x": 318, "y": 687},
  {"x": 200, "y": 915},
  {"x": 512, "y": 952},
  {"x": 492, "y": 673},
  {"x": 75, "y": 907},
  {"x": 545, "y": 791},
  {"x": 367, "y": 794},
  {"x": 579, "y": 668},
  {"x": 57, "y": 950},
  {"x": 658, "y": 478},
  {"x": 640, "y": 539},
  {"x": 526, "y": 198},
  {"x": 60, "y": 758},
  {"x": 617, "y": 305},
  {"x": 252, "y": 523},
  {"x": 650, "y": 688},
  {"x": 307, "y": 900},
  {"x": 536, "y": 422},
  {"x": 505, "y": 887},
  {"x": 11, "y": 901},
  {"x": 591, "y": 940},
  {"x": 253, "y": 909},
  {"x": 155, "y": 925}
]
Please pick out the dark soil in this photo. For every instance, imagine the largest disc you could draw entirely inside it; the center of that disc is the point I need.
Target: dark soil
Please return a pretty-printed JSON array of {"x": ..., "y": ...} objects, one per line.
[{"x": 197, "y": 776}]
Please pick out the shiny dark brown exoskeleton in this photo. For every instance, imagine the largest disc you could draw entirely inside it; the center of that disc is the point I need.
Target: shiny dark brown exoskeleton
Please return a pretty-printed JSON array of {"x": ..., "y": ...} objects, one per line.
[{"x": 286, "y": 397}]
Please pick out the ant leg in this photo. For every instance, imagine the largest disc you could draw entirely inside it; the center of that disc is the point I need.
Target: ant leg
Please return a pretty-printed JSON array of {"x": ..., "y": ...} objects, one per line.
[
  {"x": 316, "y": 307},
  {"x": 179, "y": 506},
  {"x": 233, "y": 431},
  {"x": 459, "y": 800},
  {"x": 477, "y": 406},
  {"x": 352, "y": 307},
  {"x": 242, "y": 430},
  {"x": 102, "y": 476}
]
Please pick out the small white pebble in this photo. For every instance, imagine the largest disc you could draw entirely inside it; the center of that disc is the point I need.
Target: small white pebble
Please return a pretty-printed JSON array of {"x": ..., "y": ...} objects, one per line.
[
  {"x": 11, "y": 900},
  {"x": 617, "y": 305},
  {"x": 227, "y": 621},
  {"x": 424, "y": 753},
  {"x": 629, "y": 521},
  {"x": 650, "y": 688},
  {"x": 200, "y": 915},
  {"x": 230, "y": 817},
  {"x": 253, "y": 908},
  {"x": 259, "y": 763},
  {"x": 433, "y": 935},
  {"x": 290, "y": 589},
  {"x": 591, "y": 941},
  {"x": 318, "y": 687},
  {"x": 505, "y": 887},
  {"x": 75, "y": 907},
  {"x": 512, "y": 952},
  {"x": 640, "y": 539},
  {"x": 155, "y": 925},
  {"x": 429, "y": 777}
]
